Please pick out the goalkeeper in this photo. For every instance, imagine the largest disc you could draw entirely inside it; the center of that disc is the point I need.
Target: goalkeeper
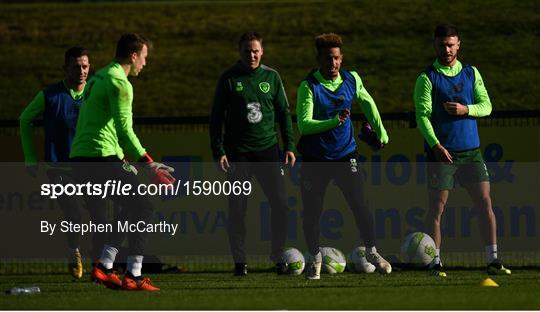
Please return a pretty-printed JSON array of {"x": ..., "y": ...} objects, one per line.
[{"x": 104, "y": 130}]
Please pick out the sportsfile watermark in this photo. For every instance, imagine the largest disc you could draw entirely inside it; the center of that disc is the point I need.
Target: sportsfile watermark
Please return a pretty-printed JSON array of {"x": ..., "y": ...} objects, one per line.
[
  {"x": 396, "y": 192},
  {"x": 120, "y": 188}
]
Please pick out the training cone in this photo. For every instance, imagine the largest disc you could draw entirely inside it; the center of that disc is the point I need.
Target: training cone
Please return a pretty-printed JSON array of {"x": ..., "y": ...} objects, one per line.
[{"x": 488, "y": 282}]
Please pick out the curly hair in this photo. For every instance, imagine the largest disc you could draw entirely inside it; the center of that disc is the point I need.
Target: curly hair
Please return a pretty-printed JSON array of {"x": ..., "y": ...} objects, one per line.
[{"x": 326, "y": 41}]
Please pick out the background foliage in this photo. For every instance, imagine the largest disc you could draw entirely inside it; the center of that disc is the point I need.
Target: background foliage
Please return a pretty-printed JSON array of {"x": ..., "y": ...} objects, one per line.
[{"x": 387, "y": 42}]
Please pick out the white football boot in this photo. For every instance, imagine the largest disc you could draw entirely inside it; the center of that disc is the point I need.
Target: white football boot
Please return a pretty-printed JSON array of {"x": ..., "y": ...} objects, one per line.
[
  {"x": 313, "y": 266},
  {"x": 382, "y": 266},
  {"x": 363, "y": 265}
]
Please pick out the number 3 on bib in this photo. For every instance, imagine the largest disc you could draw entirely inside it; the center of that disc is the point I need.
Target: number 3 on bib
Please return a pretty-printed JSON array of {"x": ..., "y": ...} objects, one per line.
[{"x": 254, "y": 114}]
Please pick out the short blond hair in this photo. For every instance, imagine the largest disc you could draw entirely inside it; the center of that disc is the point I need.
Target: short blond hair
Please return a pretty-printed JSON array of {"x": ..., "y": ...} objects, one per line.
[{"x": 326, "y": 41}]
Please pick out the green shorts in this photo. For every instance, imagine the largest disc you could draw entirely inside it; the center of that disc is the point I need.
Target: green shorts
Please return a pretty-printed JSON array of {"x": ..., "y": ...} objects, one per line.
[{"x": 468, "y": 167}]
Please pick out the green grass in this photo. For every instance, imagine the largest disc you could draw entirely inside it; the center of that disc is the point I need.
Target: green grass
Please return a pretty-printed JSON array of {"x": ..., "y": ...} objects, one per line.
[
  {"x": 387, "y": 42},
  {"x": 399, "y": 290}
]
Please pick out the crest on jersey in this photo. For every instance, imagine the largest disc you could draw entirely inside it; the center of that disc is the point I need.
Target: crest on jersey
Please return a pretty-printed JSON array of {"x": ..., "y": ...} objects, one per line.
[{"x": 264, "y": 86}]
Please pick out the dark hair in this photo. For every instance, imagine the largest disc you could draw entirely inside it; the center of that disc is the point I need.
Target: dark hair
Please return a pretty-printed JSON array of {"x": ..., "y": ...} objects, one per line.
[
  {"x": 249, "y": 36},
  {"x": 74, "y": 52},
  {"x": 326, "y": 41},
  {"x": 130, "y": 43},
  {"x": 446, "y": 30}
]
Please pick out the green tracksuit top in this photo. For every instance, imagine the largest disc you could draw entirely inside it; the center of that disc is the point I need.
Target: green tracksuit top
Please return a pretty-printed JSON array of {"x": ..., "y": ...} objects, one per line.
[
  {"x": 249, "y": 103},
  {"x": 106, "y": 120}
]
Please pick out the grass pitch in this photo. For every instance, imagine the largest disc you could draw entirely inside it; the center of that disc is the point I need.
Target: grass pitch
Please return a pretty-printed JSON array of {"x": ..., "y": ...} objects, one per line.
[{"x": 461, "y": 290}]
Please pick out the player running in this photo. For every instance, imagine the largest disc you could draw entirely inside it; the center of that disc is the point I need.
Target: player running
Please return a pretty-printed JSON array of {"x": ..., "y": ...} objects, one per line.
[
  {"x": 328, "y": 148},
  {"x": 448, "y": 97},
  {"x": 105, "y": 124},
  {"x": 249, "y": 99},
  {"x": 59, "y": 105}
]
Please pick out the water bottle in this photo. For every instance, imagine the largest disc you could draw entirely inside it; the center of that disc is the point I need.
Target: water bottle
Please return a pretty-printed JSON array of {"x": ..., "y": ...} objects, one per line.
[{"x": 23, "y": 290}]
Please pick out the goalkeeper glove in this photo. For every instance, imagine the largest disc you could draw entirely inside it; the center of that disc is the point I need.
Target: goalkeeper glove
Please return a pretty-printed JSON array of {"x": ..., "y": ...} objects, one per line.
[
  {"x": 158, "y": 172},
  {"x": 368, "y": 135}
]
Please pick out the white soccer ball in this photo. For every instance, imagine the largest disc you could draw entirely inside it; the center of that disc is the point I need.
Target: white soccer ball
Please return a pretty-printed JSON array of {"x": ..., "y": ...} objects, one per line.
[
  {"x": 294, "y": 260},
  {"x": 418, "y": 249},
  {"x": 357, "y": 262},
  {"x": 333, "y": 260}
]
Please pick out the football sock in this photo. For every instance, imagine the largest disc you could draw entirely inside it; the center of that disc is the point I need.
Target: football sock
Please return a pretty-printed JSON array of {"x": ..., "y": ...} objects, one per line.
[
  {"x": 316, "y": 256},
  {"x": 134, "y": 265},
  {"x": 491, "y": 253},
  {"x": 107, "y": 256}
]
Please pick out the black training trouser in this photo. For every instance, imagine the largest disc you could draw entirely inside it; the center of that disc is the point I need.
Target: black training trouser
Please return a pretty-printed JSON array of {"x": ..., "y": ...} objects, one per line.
[
  {"x": 71, "y": 206},
  {"x": 135, "y": 208},
  {"x": 265, "y": 166},
  {"x": 315, "y": 176},
  {"x": 68, "y": 204}
]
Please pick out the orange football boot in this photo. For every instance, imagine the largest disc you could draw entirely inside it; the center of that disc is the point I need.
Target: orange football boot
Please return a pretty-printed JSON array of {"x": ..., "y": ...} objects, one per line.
[
  {"x": 110, "y": 280},
  {"x": 130, "y": 283}
]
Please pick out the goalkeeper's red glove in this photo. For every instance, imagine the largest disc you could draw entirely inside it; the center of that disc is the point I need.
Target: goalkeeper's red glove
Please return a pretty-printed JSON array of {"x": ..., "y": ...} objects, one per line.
[
  {"x": 158, "y": 172},
  {"x": 368, "y": 135}
]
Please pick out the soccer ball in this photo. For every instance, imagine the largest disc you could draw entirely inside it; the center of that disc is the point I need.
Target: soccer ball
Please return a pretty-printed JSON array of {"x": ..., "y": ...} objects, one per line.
[
  {"x": 355, "y": 265},
  {"x": 294, "y": 260},
  {"x": 333, "y": 260},
  {"x": 418, "y": 249}
]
